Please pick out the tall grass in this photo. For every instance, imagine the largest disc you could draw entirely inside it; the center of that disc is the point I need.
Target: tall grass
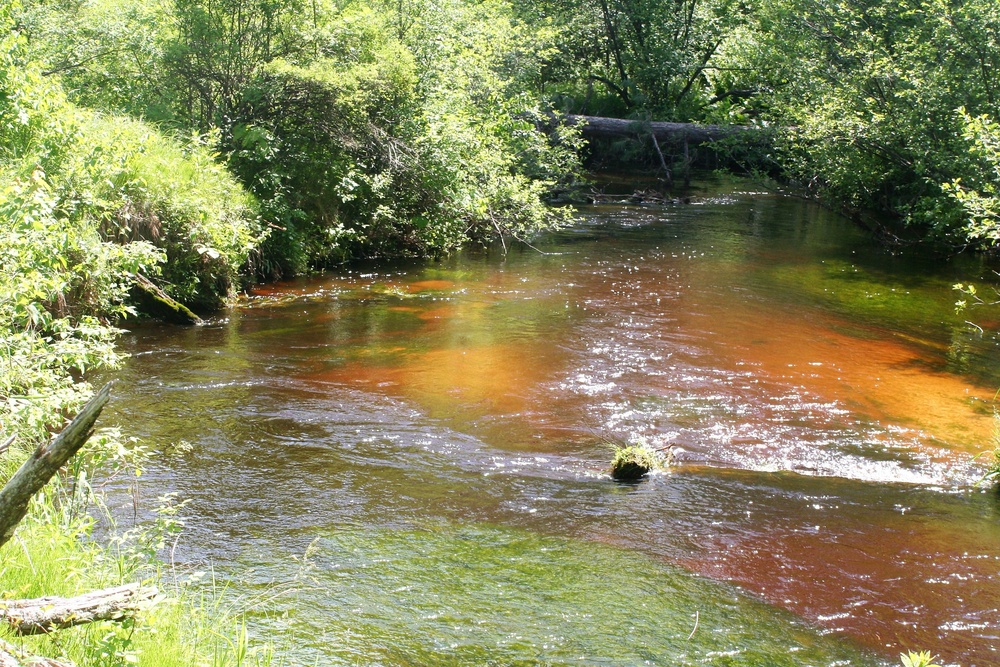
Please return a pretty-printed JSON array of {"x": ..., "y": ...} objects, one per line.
[{"x": 55, "y": 552}]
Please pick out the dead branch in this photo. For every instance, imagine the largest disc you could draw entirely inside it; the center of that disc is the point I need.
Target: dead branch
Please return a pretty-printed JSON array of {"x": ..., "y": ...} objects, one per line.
[{"x": 46, "y": 462}]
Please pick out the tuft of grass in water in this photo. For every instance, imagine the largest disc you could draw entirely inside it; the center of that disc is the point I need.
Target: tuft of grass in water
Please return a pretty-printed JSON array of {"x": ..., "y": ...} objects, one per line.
[
  {"x": 915, "y": 659},
  {"x": 992, "y": 474},
  {"x": 633, "y": 461}
]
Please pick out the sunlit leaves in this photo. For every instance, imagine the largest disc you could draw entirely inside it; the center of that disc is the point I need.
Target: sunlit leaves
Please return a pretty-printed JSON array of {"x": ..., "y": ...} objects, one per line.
[
  {"x": 869, "y": 92},
  {"x": 979, "y": 194}
]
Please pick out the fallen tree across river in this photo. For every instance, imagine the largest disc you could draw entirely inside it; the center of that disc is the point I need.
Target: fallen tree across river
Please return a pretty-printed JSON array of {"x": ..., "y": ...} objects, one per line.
[
  {"x": 677, "y": 138},
  {"x": 691, "y": 133}
]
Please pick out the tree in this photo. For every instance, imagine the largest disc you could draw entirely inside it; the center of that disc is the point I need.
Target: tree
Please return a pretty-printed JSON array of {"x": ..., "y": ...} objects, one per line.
[
  {"x": 870, "y": 93},
  {"x": 651, "y": 56}
]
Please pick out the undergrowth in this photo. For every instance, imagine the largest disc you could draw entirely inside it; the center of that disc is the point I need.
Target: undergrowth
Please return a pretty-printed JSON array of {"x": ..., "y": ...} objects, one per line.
[
  {"x": 88, "y": 200},
  {"x": 70, "y": 544}
]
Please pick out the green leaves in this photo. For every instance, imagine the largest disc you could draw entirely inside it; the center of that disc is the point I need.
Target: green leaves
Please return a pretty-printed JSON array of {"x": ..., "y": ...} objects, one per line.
[
  {"x": 979, "y": 192},
  {"x": 871, "y": 90},
  {"x": 407, "y": 135},
  {"x": 86, "y": 202},
  {"x": 623, "y": 57}
]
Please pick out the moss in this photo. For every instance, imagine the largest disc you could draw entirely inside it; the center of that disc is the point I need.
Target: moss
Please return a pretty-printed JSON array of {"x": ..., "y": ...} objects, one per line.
[
  {"x": 632, "y": 462},
  {"x": 155, "y": 302}
]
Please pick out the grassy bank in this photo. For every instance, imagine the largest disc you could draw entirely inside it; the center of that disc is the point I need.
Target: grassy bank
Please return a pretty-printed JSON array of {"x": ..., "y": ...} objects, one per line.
[
  {"x": 87, "y": 201},
  {"x": 55, "y": 553}
]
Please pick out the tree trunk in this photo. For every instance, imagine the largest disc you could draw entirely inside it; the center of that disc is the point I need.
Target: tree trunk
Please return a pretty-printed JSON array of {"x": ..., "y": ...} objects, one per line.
[
  {"x": 45, "y": 462},
  {"x": 44, "y": 615},
  {"x": 158, "y": 303}
]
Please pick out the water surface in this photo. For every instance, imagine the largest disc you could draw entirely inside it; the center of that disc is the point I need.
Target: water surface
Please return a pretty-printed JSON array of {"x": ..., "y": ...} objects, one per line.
[{"x": 419, "y": 452}]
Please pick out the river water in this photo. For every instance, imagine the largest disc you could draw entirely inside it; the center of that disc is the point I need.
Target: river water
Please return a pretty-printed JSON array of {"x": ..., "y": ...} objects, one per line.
[{"x": 407, "y": 464}]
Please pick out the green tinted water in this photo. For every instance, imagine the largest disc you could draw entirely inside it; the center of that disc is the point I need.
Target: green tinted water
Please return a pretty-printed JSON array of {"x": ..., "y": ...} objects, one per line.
[{"x": 487, "y": 595}]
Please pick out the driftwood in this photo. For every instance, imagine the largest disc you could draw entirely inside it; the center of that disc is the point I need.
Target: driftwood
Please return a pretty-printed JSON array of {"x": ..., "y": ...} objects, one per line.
[
  {"x": 45, "y": 462},
  {"x": 44, "y": 615},
  {"x": 159, "y": 304}
]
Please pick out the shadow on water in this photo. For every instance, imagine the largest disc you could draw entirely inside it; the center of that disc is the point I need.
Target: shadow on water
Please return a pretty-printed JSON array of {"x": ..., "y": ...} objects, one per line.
[{"x": 429, "y": 439}]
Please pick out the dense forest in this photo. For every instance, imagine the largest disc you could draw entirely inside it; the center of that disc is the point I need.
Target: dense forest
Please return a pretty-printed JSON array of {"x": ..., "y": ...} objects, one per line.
[{"x": 207, "y": 144}]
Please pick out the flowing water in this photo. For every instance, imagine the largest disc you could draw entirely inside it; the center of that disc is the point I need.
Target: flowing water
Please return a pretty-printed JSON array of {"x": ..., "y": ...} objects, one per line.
[{"x": 407, "y": 465}]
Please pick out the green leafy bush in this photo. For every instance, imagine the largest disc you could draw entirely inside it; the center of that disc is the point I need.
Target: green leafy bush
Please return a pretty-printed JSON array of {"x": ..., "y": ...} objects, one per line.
[
  {"x": 378, "y": 148},
  {"x": 978, "y": 191}
]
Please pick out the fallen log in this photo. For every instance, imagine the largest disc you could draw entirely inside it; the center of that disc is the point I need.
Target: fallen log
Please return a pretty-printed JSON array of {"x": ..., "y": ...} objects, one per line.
[
  {"x": 44, "y": 615},
  {"x": 158, "y": 303},
  {"x": 45, "y": 462},
  {"x": 12, "y": 656},
  {"x": 691, "y": 133}
]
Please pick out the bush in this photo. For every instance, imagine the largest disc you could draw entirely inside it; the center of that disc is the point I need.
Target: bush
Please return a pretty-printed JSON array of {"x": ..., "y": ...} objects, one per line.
[
  {"x": 869, "y": 94},
  {"x": 80, "y": 194}
]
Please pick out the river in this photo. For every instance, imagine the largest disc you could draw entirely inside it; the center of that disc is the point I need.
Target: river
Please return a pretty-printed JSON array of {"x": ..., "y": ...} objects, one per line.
[{"x": 407, "y": 464}]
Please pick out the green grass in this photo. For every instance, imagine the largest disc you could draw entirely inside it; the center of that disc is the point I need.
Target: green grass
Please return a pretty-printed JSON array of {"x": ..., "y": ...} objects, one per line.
[
  {"x": 992, "y": 474},
  {"x": 55, "y": 551}
]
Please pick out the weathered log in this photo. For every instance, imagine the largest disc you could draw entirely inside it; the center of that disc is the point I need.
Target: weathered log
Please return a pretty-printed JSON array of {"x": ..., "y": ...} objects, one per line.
[
  {"x": 691, "y": 133},
  {"x": 44, "y": 615},
  {"x": 12, "y": 656},
  {"x": 45, "y": 462},
  {"x": 158, "y": 303}
]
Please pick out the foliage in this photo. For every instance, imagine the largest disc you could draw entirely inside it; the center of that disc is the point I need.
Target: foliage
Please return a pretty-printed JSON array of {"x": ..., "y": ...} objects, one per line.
[
  {"x": 619, "y": 57},
  {"x": 979, "y": 195},
  {"x": 79, "y": 197},
  {"x": 992, "y": 474},
  {"x": 175, "y": 196},
  {"x": 59, "y": 274},
  {"x": 108, "y": 54},
  {"x": 377, "y": 148},
  {"x": 121, "y": 181},
  {"x": 218, "y": 46},
  {"x": 869, "y": 93},
  {"x": 54, "y": 553},
  {"x": 431, "y": 140},
  {"x": 318, "y": 144}
]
